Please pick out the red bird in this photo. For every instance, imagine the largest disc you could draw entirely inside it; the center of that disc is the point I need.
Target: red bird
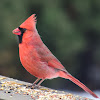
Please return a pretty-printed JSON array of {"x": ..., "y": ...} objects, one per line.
[{"x": 37, "y": 59}]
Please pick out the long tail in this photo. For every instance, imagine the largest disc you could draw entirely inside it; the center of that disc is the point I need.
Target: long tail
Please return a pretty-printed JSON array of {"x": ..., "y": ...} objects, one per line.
[{"x": 76, "y": 81}]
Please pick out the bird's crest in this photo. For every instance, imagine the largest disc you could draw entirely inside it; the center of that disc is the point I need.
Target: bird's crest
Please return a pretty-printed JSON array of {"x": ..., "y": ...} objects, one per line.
[{"x": 29, "y": 23}]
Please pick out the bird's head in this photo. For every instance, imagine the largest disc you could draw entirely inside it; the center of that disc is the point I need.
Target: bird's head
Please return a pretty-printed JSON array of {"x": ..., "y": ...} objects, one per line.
[{"x": 27, "y": 26}]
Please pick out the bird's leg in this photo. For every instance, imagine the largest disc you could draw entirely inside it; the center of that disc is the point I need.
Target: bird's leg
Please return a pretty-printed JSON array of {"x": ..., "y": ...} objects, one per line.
[
  {"x": 37, "y": 86},
  {"x": 36, "y": 81},
  {"x": 40, "y": 82},
  {"x": 33, "y": 85}
]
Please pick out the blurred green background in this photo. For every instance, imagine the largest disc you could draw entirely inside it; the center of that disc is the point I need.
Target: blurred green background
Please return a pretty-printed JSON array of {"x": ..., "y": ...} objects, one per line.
[{"x": 70, "y": 29}]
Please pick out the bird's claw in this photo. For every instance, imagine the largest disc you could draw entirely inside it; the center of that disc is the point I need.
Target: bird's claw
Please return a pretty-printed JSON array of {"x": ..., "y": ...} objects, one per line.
[{"x": 33, "y": 86}]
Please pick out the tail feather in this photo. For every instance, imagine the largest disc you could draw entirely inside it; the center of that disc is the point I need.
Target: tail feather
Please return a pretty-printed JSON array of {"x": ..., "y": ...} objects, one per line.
[{"x": 76, "y": 81}]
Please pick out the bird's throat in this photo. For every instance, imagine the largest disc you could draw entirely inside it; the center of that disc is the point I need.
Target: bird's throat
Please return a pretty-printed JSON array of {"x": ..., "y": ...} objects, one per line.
[{"x": 20, "y": 38}]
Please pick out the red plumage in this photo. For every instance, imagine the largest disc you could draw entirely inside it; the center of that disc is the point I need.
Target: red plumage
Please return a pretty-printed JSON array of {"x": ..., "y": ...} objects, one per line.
[{"x": 37, "y": 59}]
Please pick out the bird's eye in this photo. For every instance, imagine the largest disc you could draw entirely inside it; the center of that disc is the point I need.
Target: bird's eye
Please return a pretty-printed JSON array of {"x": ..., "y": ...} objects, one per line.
[{"x": 22, "y": 29}]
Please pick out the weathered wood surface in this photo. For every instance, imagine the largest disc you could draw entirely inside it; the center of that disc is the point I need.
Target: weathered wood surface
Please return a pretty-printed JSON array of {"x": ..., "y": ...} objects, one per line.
[{"x": 12, "y": 89}]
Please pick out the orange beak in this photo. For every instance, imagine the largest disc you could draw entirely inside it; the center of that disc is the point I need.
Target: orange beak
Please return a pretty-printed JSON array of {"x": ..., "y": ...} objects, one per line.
[{"x": 16, "y": 31}]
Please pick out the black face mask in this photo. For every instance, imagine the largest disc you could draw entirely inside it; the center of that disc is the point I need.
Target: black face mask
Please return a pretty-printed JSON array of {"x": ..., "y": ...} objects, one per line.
[{"x": 22, "y": 32}]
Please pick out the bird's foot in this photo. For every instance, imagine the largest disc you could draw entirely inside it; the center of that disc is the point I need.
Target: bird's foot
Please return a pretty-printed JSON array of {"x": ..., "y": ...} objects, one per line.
[{"x": 33, "y": 86}]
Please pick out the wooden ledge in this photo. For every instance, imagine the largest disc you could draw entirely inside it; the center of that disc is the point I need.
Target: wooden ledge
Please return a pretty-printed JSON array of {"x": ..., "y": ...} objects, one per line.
[{"x": 12, "y": 89}]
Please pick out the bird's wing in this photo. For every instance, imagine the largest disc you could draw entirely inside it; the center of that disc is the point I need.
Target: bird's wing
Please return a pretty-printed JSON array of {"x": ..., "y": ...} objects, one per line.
[
  {"x": 46, "y": 56},
  {"x": 56, "y": 64}
]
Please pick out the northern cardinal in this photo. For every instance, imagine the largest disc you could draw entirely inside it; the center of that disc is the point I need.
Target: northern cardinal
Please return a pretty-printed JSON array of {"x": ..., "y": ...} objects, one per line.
[{"x": 37, "y": 59}]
